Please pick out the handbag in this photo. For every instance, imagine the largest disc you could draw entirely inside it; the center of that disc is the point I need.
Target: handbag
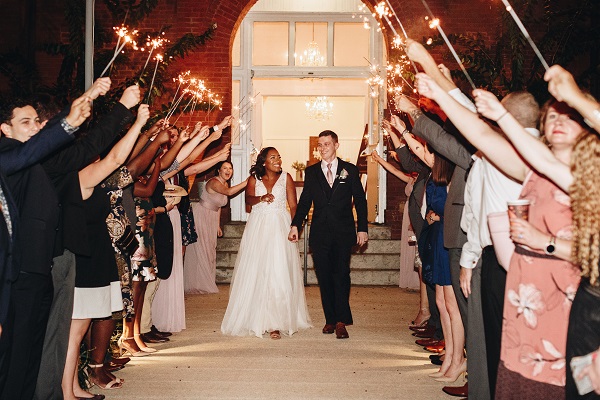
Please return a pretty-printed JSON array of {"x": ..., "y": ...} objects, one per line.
[
  {"x": 504, "y": 247},
  {"x": 127, "y": 243}
]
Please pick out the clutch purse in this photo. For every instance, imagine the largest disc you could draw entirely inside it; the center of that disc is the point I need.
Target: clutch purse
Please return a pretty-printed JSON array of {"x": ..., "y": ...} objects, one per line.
[{"x": 504, "y": 247}]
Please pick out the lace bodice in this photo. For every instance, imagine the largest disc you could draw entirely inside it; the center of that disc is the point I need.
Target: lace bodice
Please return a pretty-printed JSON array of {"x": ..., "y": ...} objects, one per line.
[{"x": 280, "y": 202}]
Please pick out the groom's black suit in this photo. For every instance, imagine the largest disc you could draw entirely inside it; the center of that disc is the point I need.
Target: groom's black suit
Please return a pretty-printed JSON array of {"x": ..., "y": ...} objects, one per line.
[{"x": 333, "y": 233}]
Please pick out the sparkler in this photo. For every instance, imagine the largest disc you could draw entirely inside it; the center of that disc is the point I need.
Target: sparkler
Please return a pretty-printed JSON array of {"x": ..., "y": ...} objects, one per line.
[
  {"x": 152, "y": 44},
  {"x": 242, "y": 108},
  {"x": 158, "y": 58},
  {"x": 514, "y": 15},
  {"x": 122, "y": 33},
  {"x": 435, "y": 23}
]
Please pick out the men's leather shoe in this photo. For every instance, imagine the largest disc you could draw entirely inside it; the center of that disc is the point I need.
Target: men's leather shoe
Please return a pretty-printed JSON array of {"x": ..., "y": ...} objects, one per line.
[
  {"x": 340, "y": 331},
  {"x": 159, "y": 333},
  {"x": 425, "y": 328},
  {"x": 328, "y": 329},
  {"x": 427, "y": 342},
  {"x": 459, "y": 391},
  {"x": 152, "y": 338},
  {"x": 438, "y": 348},
  {"x": 423, "y": 335},
  {"x": 436, "y": 360}
]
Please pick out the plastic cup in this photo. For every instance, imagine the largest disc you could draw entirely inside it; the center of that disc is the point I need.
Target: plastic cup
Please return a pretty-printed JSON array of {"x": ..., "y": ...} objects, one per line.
[{"x": 520, "y": 208}]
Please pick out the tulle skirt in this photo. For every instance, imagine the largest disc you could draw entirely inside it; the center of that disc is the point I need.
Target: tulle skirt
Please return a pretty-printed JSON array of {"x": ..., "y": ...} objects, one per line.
[
  {"x": 168, "y": 307},
  {"x": 267, "y": 291}
]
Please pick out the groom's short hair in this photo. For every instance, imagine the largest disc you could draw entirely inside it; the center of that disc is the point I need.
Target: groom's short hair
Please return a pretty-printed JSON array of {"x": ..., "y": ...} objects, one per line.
[{"x": 333, "y": 135}]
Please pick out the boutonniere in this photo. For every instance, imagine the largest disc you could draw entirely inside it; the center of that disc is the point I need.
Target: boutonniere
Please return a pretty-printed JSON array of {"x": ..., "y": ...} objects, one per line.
[{"x": 343, "y": 174}]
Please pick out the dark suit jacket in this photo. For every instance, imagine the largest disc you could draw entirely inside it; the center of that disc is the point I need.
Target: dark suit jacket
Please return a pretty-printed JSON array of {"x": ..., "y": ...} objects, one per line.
[
  {"x": 8, "y": 263},
  {"x": 36, "y": 201},
  {"x": 62, "y": 168},
  {"x": 409, "y": 163},
  {"x": 451, "y": 148},
  {"x": 332, "y": 213}
]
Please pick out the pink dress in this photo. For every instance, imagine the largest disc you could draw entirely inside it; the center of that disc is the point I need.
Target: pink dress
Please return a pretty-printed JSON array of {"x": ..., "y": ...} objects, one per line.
[
  {"x": 200, "y": 266},
  {"x": 539, "y": 293},
  {"x": 409, "y": 278}
]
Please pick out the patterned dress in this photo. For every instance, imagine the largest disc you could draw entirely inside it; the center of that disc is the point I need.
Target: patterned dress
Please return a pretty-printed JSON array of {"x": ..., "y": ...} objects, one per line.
[
  {"x": 143, "y": 261},
  {"x": 116, "y": 222},
  {"x": 539, "y": 293}
]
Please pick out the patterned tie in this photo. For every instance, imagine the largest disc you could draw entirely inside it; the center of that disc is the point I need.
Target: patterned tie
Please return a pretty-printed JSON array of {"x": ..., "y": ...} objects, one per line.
[{"x": 329, "y": 175}]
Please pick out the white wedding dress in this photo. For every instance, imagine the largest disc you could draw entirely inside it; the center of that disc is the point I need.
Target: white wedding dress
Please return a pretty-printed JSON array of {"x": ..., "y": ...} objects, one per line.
[{"x": 267, "y": 292}]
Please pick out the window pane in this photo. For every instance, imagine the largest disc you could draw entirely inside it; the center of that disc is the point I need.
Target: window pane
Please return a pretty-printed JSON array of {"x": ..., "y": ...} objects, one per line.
[
  {"x": 306, "y": 34},
  {"x": 350, "y": 44},
  {"x": 270, "y": 43},
  {"x": 236, "y": 50}
]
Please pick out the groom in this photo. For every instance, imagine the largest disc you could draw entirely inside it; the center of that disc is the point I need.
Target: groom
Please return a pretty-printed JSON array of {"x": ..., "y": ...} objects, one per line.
[{"x": 331, "y": 186}]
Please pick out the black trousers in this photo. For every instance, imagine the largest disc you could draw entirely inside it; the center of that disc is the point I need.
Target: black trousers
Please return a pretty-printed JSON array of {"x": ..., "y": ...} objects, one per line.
[
  {"x": 583, "y": 336},
  {"x": 493, "y": 283},
  {"x": 331, "y": 257},
  {"x": 23, "y": 335}
]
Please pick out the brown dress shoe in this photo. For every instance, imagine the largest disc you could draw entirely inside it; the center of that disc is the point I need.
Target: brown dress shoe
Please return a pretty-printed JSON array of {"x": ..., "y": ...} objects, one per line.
[
  {"x": 427, "y": 342},
  {"x": 328, "y": 329},
  {"x": 459, "y": 391},
  {"x": 423, "y": 335},
  {"x": 438, "y": 348},
  {"x": 153, "y": 338},
  {"x": 159, "y": 333},
  {"x": 340, "y": 331}
]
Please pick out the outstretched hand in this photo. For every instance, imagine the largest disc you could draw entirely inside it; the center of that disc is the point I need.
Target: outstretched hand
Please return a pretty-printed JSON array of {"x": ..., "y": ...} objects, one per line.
[
  {"x": 142, "y": 115},
  {"x": 225, "y": 123},
  {"x": 398, "y": 123},
  {"x": 131, "y": 96},
  {"x": 404, "y": 104},
  {"x": 428, "y": 87},
  {"x": 99, "y": 88},
  {"x": 293, "y": 235},
  {"x": 81, "y": 109},
  {"x": 416, "y": 52},
  {"x": 488, "y": 105},
  {"x": 561, "y": 84}
]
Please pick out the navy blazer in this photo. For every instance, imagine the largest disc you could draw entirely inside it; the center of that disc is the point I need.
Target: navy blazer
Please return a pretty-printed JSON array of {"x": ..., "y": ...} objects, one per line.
[{"x": 332, "y": 211}]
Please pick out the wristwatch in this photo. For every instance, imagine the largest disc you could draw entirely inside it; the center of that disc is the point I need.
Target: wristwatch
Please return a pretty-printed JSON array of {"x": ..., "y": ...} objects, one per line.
[{"x": 551, "y": 246}]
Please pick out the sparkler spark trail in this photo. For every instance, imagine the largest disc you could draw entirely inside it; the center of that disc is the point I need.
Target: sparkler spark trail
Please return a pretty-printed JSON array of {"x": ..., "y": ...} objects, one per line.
[
  {"x": 435, "y": 23},
  {"x": 525, "y": 33}
]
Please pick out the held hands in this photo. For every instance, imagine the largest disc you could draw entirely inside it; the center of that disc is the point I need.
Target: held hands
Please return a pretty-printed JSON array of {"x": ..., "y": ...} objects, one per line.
[
  {"x": 80, "y": 110},
  {"x": 561, "y": 84},
  {"x": 142, "y": 115},
  {"x": 293, "y": 235},
  {"x": 130, "y": 96},
  {"x": 465, "y": 280},
  {"x": 488, "y": 105},
  {"x": 98, "y": 88}
]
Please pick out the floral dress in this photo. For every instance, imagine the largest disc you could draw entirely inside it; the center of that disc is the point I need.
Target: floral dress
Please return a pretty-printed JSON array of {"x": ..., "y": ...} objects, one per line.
[
  {"x": 143, "y": 262},
  {"x": 539, "y": 292},
  {"x": 116, "y": 222}
]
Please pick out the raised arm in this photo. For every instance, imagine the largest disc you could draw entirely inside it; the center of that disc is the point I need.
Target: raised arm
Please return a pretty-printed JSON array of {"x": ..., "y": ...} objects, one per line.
[
  {"x": 496, "y": 148},
  {"x": 389, "y": 167},
  {"x": 417, "y": 53},
  {"x": 209, "y": 162},
  {"x": 562, "y": 86},
  {"x": 215, "y": 185},
  {"x": 146, "y": 189},
  {"x": 139, "y": 164},
  {"x": 536, "y": 153},
  {"x": 96, "y": 172}
]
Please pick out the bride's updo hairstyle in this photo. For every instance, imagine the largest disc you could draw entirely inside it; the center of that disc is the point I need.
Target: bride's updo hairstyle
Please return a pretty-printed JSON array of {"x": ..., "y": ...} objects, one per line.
[{"x": 258, "y": 170}]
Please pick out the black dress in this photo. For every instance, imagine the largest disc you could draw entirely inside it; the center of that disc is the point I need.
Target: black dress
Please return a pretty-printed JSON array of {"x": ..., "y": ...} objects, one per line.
[
  {"x": 163, "y": 235},
  {"x": 97, "y": 286}
]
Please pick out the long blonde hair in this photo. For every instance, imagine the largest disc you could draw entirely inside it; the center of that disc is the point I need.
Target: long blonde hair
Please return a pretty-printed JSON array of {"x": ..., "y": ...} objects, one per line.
[{"x": 585, "y": 203}]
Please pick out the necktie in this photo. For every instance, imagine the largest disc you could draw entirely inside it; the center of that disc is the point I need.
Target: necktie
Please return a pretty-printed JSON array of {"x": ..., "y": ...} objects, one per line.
[{"x": 329, "y": 175}]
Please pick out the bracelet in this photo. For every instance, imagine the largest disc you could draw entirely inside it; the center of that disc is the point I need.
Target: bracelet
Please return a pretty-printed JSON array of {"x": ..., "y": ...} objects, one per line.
[
  {"x": 404, "y": 132},
  {"x": 502, "y": 116}
]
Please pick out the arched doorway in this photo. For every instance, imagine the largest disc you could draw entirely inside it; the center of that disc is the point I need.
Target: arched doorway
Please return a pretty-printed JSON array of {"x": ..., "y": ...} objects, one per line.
[{"x": 275, "y": 73}]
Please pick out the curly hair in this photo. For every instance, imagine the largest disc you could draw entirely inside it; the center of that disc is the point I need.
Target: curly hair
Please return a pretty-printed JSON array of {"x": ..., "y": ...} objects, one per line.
[
  {"x": 258, "y": 170},
  {"x": 585, "y": 203}
]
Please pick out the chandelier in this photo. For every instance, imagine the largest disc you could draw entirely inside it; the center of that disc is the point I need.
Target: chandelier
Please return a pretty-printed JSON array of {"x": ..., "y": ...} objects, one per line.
[
  {"x": 312, "y": 57},
  {"x": 319, "y": 108}
]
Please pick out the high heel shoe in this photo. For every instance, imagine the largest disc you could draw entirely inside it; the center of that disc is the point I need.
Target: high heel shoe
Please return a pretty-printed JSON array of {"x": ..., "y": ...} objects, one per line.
[
  {"x": 437, "y": 374},
  {"x": 126, "y": 348},
  {"x": 146, "y": 349},
  {"x": 461, "y": 372},
  {"x": 418, "y": 324}
]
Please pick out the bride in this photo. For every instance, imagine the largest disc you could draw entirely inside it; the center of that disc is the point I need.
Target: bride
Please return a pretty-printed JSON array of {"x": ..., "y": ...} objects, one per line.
[{"x": 267, "y": 294}]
